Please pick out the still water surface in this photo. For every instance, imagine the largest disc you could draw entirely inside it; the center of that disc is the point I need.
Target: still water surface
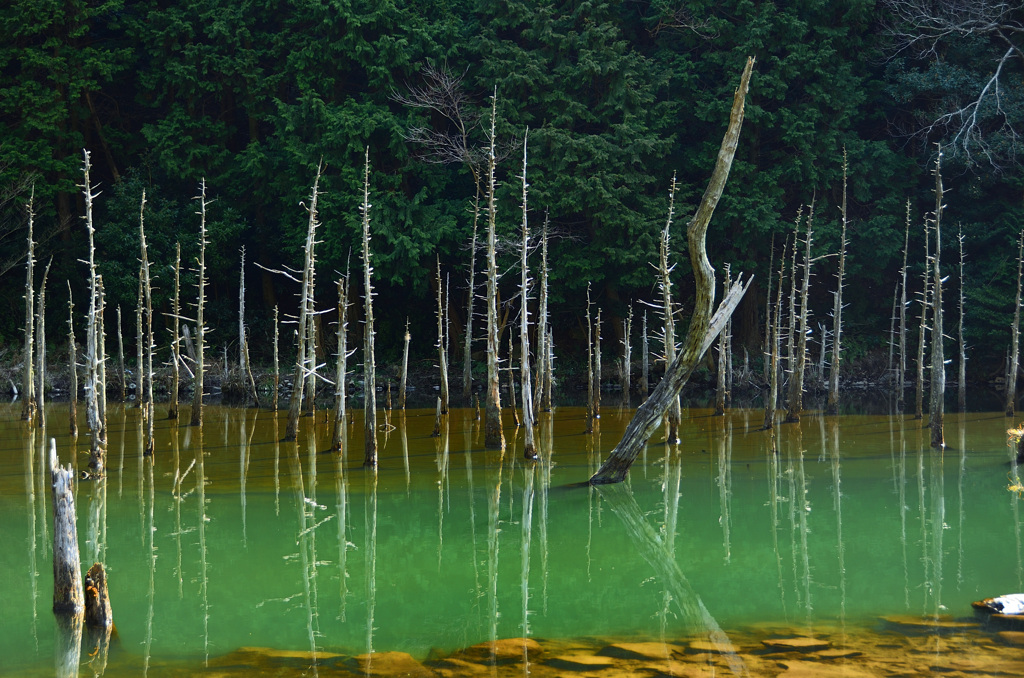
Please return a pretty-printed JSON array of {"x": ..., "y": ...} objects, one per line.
[{"x": 230, "y": 538}]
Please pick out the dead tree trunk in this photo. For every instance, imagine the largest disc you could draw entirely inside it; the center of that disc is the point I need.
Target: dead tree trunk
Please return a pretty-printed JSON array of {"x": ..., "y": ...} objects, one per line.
[
  {"x": 796, "y": 385},
  {"x": 40, "y": 336},
  {"x": 773, "y": 332},
  {"x": 467, "y": 349},
  {"x": 938, "y": 388},
  {"x": 494, "y": 437},
  {"x": 200, "y": 369},
  {"x": 120, "y": 355},
  {"x": 73, "y": 364},
  {"x": 442, "y": 353},
  {"x": 590, "y": 367},
  {"x": 645, "y": 363},
  {"x": 277, "y": 356},
  {"x": 703, "y": 327},
  {"x": 526, "y": 387},
  {"x": 1011, "y": 373},
  {"x": 723, "y": 350},
  {"x": 543, "y": 396},
  {"x": 832, "y": 405},
  {"x": 67, "y": 565},
  {"x": 962, "y": 364},
  {"x": 369, "y": 368},
  {"x": 926, "y": 291},
  {"x": 148, "y": 408},
  {"x": 27, "y": 380},
  {"x": 403, "y": 383},
  {"x": 172, "y": 406},
  {"x": 901, "y": 367},
  {"x": 597, "y": 365},
  {"x": 627, "y": 352},
  {"x": 92, "y": 385},
  {"x": 342, "y": 370},
  {"x": 309, "y": 259},
  {"x": 674, "y": 411}
]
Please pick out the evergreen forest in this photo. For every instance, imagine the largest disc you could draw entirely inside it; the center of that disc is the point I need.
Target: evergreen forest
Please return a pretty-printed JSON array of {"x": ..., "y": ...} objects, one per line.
[{"x": 615, "y": 99}]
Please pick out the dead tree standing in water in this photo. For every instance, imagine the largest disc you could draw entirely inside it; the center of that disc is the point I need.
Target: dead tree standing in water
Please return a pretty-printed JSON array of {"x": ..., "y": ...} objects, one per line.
[
  {"x": 962, "y": 376},
  {"x": 901, "y": 367},
  {"x": 97, "y": 455},
  {"x": 668, "y": 315},
  {"x": 148, "y": 408},
  {"x": 73, "y": 364},
  {"x": 197, "y": 395},
  {"x": 703, "y": 327},
  {"x": 926, "y": 300},
  {"x": 529, "y": 446},
  {"x": 796, "y": 385},
  {"x": 369, "y": 377},
  {"x": 442, "y": 352},
  {"x": 494, "y": 437},
  {"x": 832, "y": 406},
  {"x": 41, "y": 349},
  {"x": 27, "y": 382},
  {"x": 1011, "y": 373},
  {"x": 342, "y": 369},
  {"x": 309, "y": 261},
  {"x": 938, "y": 388},
  {"x": 172, "y": 407}
]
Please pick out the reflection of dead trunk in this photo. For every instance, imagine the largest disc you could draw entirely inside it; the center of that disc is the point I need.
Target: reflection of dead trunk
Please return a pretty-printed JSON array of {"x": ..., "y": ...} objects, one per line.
[
  {"x": 494, "y": 437},
  {"x": 703, "y": 327},
  {"x": 938, "y": 387}
]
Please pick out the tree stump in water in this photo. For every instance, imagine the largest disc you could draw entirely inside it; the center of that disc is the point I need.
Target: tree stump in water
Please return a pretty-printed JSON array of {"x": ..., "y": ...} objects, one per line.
[
  {"x": 67, "y": 565},
  {"x": 97, "y": 599}
]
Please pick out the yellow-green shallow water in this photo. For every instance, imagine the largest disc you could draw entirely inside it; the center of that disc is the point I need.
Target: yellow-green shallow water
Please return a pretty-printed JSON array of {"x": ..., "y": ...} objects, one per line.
[{"x": 824, "y": 528}]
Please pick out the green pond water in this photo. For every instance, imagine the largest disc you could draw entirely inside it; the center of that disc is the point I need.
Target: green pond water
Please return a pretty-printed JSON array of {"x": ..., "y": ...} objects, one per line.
[{"x": 230, "y": 538}]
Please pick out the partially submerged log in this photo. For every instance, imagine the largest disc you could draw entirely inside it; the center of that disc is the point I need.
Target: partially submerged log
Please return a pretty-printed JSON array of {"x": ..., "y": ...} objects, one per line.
[
  {"x": 703, "y": 328},
  {"x": 97, "y": 599},
  {"x": 67, "y": 564}
]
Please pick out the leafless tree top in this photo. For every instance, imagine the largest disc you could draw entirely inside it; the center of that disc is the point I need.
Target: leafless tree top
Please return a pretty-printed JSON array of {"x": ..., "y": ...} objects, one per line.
[{"x": 923, "y": 29}]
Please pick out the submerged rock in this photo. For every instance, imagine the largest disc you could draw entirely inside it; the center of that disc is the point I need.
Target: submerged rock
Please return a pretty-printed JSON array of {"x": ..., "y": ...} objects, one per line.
[
  {"x": 798, "y": 643},
  {"x": 652, "y": 650},
  {"x": 503, "y": 651},
  {"x": 391, "y": 664}
]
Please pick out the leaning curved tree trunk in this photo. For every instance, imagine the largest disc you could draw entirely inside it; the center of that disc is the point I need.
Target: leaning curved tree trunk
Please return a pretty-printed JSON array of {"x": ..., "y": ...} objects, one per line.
[{"x": 703, "y": 327}]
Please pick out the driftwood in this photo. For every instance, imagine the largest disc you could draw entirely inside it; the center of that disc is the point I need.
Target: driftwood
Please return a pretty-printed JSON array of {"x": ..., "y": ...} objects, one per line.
[{"x": 703, "y": 327}]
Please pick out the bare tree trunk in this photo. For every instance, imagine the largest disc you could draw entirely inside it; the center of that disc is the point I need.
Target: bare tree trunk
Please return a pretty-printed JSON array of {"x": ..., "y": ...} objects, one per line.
[
  {"x": 243, "y": 342},
  {"x": 723, "y": 350},
  {"x": 645, "y": 365},
  {"x": 67, "y": 564},
  {"x": 369, "y": 368},
  {"x": 832, "y": 406},
  {"x": 494, "y": 437},
  {"x": 901, "y": 384},
  {"x": 526, "y": 387},
  {"x": 543, "y": 398},
  {"x": 403, "y": 384},
  {"x": 1011, "y": 374},
  {"x": 27, "y": 379},
  {"x": 148, "y": 407},
  {"x": 668, "y": 315},
  {"x": 197, "y": 395},
  {"x": 277, "y": 363},
  {"x": 938, "y": 389},
  {"x": 962, "y": 365},
  {"x": 309, "y": 261},
  {"x": 40, "y": 336},
  {"x": 590, "y": 367},
  {"x": 172, "y": 407},
  {"x": 342, "y": 370},
  {"x": 101, "y": 370},
  {"x": 467, "y": 349},
  {"x": 92, "y": 385},
  {"x": 796, "y": 385},
  {"x": 597, "y": 365},
  {"x": 703, "y": 327},
  {"x": 926, "y": 292},
  {"x": 442, "y": 353},
  {"x": 791, "y": 319},
  {"x": 627, "y": 352},
  {"x": 73, "y": 363},
  {"x": 120, "y": 355},
  {"x": 774, "y": 332}
]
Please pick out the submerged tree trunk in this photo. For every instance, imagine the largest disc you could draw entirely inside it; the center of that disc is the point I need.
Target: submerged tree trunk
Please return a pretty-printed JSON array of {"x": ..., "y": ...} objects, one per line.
[
  {"x": 703, "y": 327},
  {"x": 938, "y": 388},
  {"x": 832, "y": 406},
  {"x": 494, "y": 437}
]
